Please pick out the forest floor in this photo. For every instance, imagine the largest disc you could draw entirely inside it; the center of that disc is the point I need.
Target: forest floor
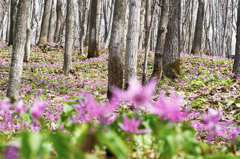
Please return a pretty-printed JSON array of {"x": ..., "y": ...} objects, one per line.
[{"x": 206, "y": 82}]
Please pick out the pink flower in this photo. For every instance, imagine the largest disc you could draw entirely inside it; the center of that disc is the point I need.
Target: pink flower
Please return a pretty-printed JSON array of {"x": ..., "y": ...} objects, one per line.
[
  {"x": 89, "y": 109},
  {"x": 212, "y": 116},
  {"x": 131, "y": 126},
  {"x": 38, "y": 108},
  {"x": 5, "y": 104},
  {"x": 20, "y": 108},
  {"x": 136, "y": 93},
  {"x": 193, "y": 95},
  {"x": 197, "y": 125},
  {"x": 35, "y": 126},
  {"x": 234, "y": 132},
  {"x": 169, "y": 107},
  {"x": 212, "y": 124}
]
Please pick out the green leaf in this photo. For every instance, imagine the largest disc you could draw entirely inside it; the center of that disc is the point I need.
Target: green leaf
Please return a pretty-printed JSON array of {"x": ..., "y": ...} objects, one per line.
[
  {"x": 80, "y": 133},
  {"x": 35, "y": 142},
  {"x": 26, "y": 151},
  {"x": 113, "y": 142},
  {"x": 61, "y": 144},
  {"x": 67, "y": 108},
  {"x": 222, "y": 156}
]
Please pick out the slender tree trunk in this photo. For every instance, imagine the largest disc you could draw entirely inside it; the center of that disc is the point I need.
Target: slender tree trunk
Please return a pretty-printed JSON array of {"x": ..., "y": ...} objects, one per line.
[
  {"x": 29, "y": 36},
  {"x": 190, "y": 28},
  {"x": 8, "y": 23},
  {"x": 38, "y": 29},
  {"x": 59, "y": 20},
  {"x": 83, "y": 19},
  {"x": 81, "y": 8},
  {"x": 92, "y": 48},
  {"x": 171, "y": 56},
  {"x": 13, "y": 17},
  {"x": 147, "y": 20},
  {"x": 115, "y": 67},
  {"x": 162, "y": 31},
  {"x": 132, "y": 40},
  {"x": 18, "y": 51},
  {"x": 236, "y": 66},
  {"x": 197, "y": 42},
  {"x": 45, "y": 22},
  {"x": 108, "y": 30},
  {"x": 98, "y": 23},
  {"x": 52, "y": 23},
  {"x": 141, "y": 29},
  {"x": 2, "y": 15},
  {"x": 69, "y": 38},
  {"x": 147, "y": 48}
]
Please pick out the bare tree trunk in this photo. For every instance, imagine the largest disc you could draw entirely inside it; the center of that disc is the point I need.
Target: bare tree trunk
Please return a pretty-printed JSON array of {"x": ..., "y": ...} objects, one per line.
[
  {"x": 8, "y": 22},
  {"x": 141, "y": 29},
  {"x": 147, "y": 20},
  {"x": 29, "y": 36},
  {"x": 236, "y": 66},
  {"x": 162, "y": 31},
  {"x": 197, "y": 42},
  {"x": 92, "y": 48},
  {"x": 39, "y": 20},
  {"x": 69, "y": 38},
  {"x": 59, "y": 20},
  {"x": 18, "y": 51},
  {"x": 13, "y": 18},
  {"x": 190, "y": 28},
  {"x": 83, "y": 20},
  {"x": 98, "y": 23},
  {"x": 147, "y": 47},
  {"x": 115, "y": 67},
  {"x": 108, "y": 27},
  {"x": 52, "y": 25},
  {"x": 132, "y": 40},
  {"x": 45, "y": 22},
  {"x": 171, "y": 56}
]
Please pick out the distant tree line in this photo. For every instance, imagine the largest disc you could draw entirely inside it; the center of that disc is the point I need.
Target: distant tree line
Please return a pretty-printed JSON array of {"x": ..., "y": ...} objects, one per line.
[{"x": 167, "y": 27}]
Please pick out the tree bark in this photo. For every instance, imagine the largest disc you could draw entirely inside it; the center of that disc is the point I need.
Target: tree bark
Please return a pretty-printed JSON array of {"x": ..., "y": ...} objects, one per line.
[
  {"x": 92, "y": 48},
  {"x": 16, "y": 66},
  {"x": 52, "y": 23},
  {"x": 83, "y": 20},
  {"x": 190, "y": 27},
  {"x": 197, "y": 42},
  {"x": 171, "y": 56},
  {"x": 115, "y": 67},
  {"x": 236, "y": 65},
  {"x": 98, "y": 23},
  {"x": 108, "y": 26},
  {"x": 147, "y": 20},
  {"x": 141, "y": 29},
  {"x": 162, "y": 31},
  {"x": 59, "y": 20},
  {"x": 45, "y": 22},
  {"x": 132, "y": 40},
  {"x": 69, "y": 38},
  {"x": 39, "y": 20},
  {"x": 28, "y": 37},
  {"x": 13, "y": 17}
]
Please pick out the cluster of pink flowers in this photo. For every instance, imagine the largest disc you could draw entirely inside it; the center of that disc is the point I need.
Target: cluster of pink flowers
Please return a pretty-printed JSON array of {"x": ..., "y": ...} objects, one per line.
[
  {"x": 11, "y": 118},
  {"x": 168, "y": 108},
  {"x": 89, "y": 110},
  {"x": 212, "y": 124},
  {"x": 141, "y": 97}
]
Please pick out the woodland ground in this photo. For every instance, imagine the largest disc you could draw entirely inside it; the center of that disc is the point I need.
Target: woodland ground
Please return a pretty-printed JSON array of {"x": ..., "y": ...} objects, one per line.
[{"x": 205, "y": 81}]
